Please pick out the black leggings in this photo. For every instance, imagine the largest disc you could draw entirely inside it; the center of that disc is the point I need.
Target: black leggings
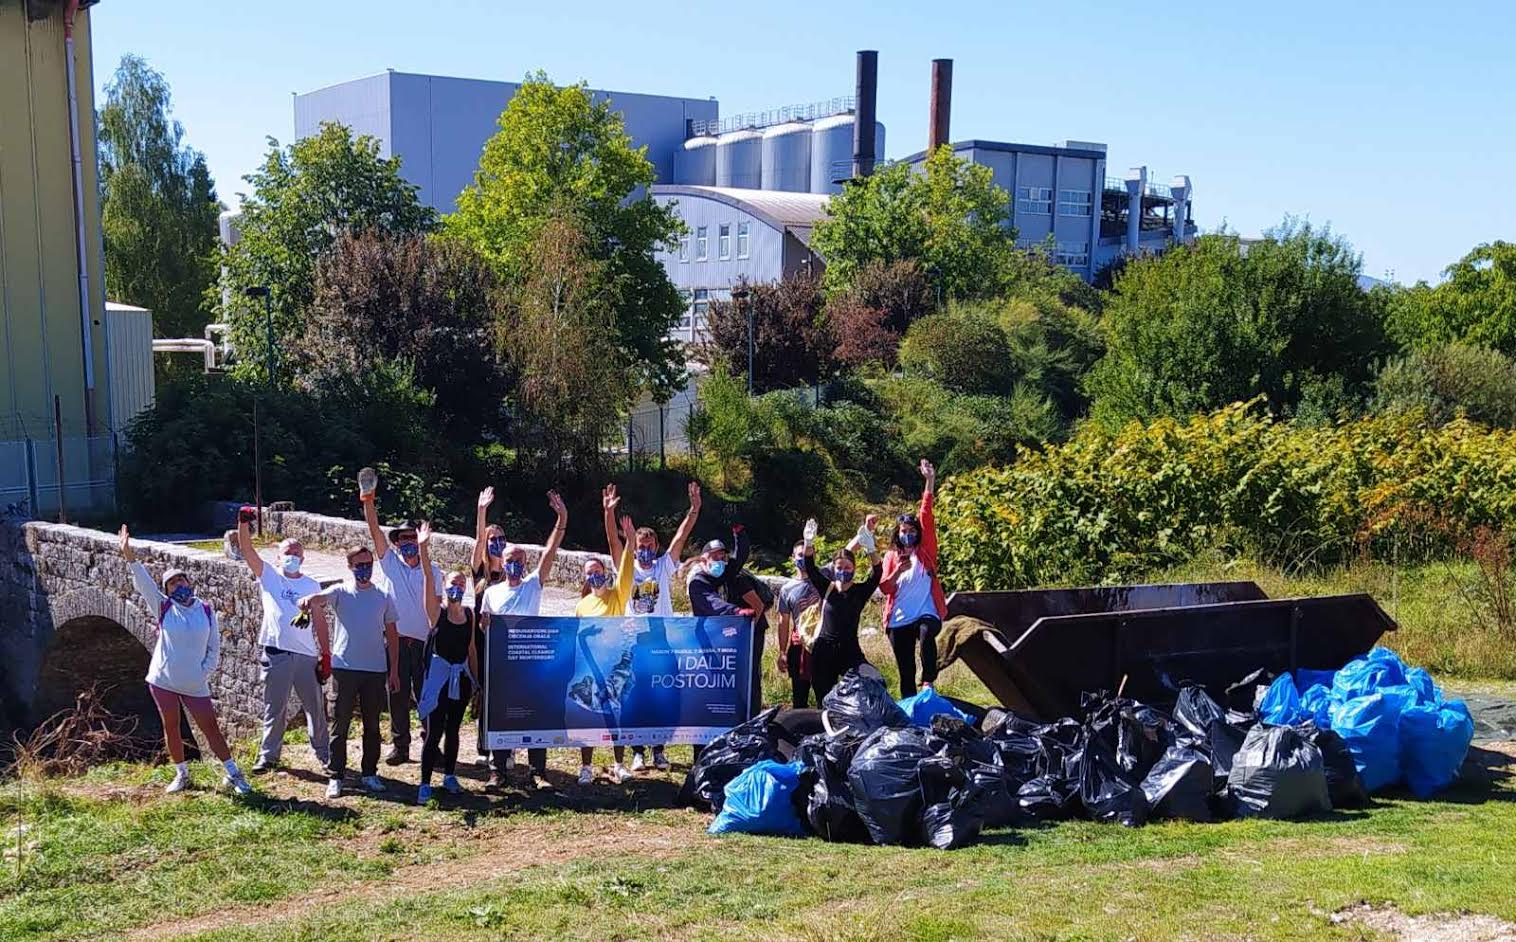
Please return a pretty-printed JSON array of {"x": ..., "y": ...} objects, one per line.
[
  {"x": 904, "y": 640},
  {"x": 830, "y": 659},
  {"x": 800, "y": 688},
  {"x": 444, "y": 721}
]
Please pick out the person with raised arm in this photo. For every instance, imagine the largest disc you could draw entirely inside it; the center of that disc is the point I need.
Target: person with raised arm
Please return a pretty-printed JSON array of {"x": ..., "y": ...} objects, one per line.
[
  {"x": 520, "y": 593},
  {"x": 652, "y": 575},
  {"x": 914, "y": 603},
  {"x": 447, "y": 690},
  {"x": 399, "y": 559},
  {"x": 365, "y": 662},
  {"x": 292, "y": 657},
  {"x": 604, "y": 595},
  {"x": 487, "y": 565},
  {"x": 799, "y": 616},
  {"x": 186, "y": 651},
  {"x": 836, "y": 647}
]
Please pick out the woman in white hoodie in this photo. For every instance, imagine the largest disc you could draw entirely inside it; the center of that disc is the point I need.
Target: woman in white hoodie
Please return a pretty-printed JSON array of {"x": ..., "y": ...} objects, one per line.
[{"x": 187, "y": 649}]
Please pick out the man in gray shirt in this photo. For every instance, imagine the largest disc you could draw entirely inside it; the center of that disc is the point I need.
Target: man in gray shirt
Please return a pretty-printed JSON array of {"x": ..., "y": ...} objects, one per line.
[{"x": 365, "y": 662}]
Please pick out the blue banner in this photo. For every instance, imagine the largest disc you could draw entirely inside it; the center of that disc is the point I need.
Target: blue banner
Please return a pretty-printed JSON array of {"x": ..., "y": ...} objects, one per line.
[{"x": 568, "y": 681}]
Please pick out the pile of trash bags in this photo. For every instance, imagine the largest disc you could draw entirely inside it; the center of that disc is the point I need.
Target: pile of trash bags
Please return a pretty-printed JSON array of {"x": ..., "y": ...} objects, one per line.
[{"x": 921, "y": 772}]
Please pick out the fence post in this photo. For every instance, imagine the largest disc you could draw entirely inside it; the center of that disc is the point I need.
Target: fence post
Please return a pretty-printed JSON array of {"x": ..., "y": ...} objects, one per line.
[
  {"x": 58, "y": 443},
  {"x": 630, "y": 467},
  {"x": 31, "y": 475},
  {"x": 662, "y": 438}
]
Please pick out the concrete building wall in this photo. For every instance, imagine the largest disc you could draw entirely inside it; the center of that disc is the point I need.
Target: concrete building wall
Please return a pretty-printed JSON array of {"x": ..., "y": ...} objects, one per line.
[{"x": 48, "y": 346}]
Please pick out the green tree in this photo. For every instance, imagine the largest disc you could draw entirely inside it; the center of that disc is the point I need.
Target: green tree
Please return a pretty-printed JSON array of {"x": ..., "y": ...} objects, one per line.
[
  {"x": 305, "y": 196},
  {"x": 158, "y": 205},
  {"x": 1476, "y": 303},
  {"x": 1206, "y": 324},
  {"x": 1444, "y": 382},
  {"x": 559, "y": 151},
  {"x": 965, "y": 353},
  {"x": 791, "y": 345},
  {"x": 950, "y": 219}
]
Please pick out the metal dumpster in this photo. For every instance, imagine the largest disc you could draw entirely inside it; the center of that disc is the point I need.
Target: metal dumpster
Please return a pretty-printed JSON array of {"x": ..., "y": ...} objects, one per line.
[{"x": 1050, "y": 646}]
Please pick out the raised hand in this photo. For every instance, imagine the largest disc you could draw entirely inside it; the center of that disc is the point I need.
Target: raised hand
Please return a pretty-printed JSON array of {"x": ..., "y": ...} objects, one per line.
[
  {"x": 556, "y": 502},
  {"x": 928, "y": 471},
  {"x": 628, "y": 530},
  {"x": 368, "y": 483},
  {"x": 810, "y": 531},
  {"x": 424, "y": 533},
  {"x": 870, "y": 522},
  {"x": 609, "y": 499},
  {"x": 126, "y": 545},
  {"x": 486, "y": 497},
  {"x": 695, "y": 496}
]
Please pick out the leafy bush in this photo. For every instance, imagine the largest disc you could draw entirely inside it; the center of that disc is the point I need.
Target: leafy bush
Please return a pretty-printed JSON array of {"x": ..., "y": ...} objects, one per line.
[
  {"x": 968, "y": 354},
  {"x": 1445, "y": 381},
  {"x": 1111, "y": 505}
]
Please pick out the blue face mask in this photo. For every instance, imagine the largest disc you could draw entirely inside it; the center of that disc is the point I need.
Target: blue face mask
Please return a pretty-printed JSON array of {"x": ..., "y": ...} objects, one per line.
[
  {"x": 363, "y": 572},
  {"x": 597, "y": 580},
  {"x": 455, "y": 593},
  {"x": 800, "y": 564},
  {"x": 646, "y": 555},
  {"x": 496, "y": 546},
  {"x": 182, "y": 594},
  {"x": 514, "y": 568},
  {"x": 716, "y": 567},
  {"x": 289, "y": 564},
  {"x": 844, "y": 576},
  {"x": 909, "y": 538},
  {"x": 409, "y": 550}
]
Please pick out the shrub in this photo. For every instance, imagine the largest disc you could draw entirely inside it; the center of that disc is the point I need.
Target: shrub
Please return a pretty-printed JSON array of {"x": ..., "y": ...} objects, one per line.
[
  {"x": 969, "y": 354},
  {"x": 1446, "y": 381}
]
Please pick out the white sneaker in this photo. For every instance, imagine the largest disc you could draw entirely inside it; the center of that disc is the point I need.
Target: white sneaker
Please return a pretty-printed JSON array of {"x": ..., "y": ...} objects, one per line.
[
  {"x": 372, "y": 783},
  {"x": 638, "y": 763},
  {"x": 586, "y": 775},
  {"x": 423, "y": 794},
  {"x": 660, "y": 761},
  {"x": 620, "y": 773},
  {"x": 180, "y": 783},
  {"x": 510, "y": 762},
  {"x": 237, "y": 783},
  {"x": 334, "y": 788},
  {"x": 482, "y": 760},
  {"x": 451, "y": 784}
]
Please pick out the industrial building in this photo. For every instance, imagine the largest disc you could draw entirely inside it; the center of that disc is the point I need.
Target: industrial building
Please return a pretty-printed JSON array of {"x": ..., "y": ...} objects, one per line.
[
  {"x": 62, "y": 369},
  {"x": 437, "y": 125}
]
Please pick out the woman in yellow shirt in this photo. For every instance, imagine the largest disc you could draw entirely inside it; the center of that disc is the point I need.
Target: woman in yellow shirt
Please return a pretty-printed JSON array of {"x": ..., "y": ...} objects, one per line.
[{"x": 605, "y": 596}]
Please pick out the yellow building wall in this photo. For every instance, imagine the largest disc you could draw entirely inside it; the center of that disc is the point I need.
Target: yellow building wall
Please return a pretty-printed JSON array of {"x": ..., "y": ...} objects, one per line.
[{"x": 43, "y": 354}]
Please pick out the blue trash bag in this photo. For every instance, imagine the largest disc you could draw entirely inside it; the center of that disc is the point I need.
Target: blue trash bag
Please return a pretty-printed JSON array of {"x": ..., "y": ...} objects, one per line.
[
  {"x": 1370, "y": 726},
  {"x": 1305, "y": 679},
  {"x": 1317, "y": 702},
  {"x": 1381, "y": 668},
  {"x": 929, "y": 703},
  {"x": 1427, "y": 693},
  {"x": 1433, "y": 743},
  {"x": 1280, "y": 705},
  {"x": 758, "y": 801}
]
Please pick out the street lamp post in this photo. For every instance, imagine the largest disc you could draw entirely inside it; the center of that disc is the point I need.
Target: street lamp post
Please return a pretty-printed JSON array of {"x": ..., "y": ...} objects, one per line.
[
  {"x": 739, "y": 297},
  {"x": 261, "y": 291}
]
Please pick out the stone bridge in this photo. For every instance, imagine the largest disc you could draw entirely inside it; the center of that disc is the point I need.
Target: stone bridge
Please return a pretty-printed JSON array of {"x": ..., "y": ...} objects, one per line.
[{"x": 70, "y": 618}]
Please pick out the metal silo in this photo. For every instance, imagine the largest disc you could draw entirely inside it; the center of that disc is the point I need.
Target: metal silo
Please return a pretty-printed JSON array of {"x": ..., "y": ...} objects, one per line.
[
  {"x": 697, "y": 162},
  {"x": 787, "y": 157},
  {"x": 831, "y": 152},
  {"x": 739, "y": 159}
]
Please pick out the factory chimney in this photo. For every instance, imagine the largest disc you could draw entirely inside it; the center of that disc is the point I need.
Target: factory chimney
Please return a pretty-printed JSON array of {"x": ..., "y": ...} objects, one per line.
[
  {"x": 864, "y": 114},
  {"x": 942, "y": 104}
]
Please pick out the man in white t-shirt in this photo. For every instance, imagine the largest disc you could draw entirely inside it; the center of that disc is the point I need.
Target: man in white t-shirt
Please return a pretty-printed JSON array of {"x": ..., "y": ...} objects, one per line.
[
  {"x": 652, "y": 570},
  {"x": 520, "y": 593},
  {"x": 291, "y": 655},
  {"x": 403, "y": 581}
]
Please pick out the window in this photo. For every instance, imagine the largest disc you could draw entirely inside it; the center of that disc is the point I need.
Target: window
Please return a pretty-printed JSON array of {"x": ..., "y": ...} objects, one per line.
[
  {"x": 1036, "y": 200},
  {"x": 684, "y": 319},
  {"x": 702, "y": 244},
  {"x": 724, "y": 242},
  {"x": 702, "y": 308},
  {"x": 742, "y": 240},
  {"x": 684, "y": 247},
  {"x": 1073, "y": 254},
  {"x": 1076, "y": 203}
]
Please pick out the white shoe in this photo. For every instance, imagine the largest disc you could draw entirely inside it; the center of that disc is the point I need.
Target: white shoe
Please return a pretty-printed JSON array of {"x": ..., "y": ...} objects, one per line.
[
  {"x": 451, "y": 784},
  {"x": 510, "y": 762},
  {"x": 238, "y": 784},
  {"x": 423, "y": 794},
  {"x": 482, "y": 760},
  {"x": 180, "y": 783},
  {"x": 638, "y": 763},
  {"x": 660, "y": 761},
  {"x": 334, "y": 788},
  {"x": 586, "y": 775},
  {"x": 372, "y": 783},
  {"x": 620, "y": 773}
]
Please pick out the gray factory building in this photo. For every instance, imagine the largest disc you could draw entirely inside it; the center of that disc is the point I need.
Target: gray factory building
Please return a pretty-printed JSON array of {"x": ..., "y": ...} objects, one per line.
[{"x": 437, "y": 125}]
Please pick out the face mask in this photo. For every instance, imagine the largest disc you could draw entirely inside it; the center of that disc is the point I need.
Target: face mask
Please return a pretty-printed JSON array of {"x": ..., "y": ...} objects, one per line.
[
  {"x": 514, "y": 568},
  {"x": 364, "y": 572},
  {"x": 182, "y": 594},
  {"x": 597, "y": 580},
  {"x": 289, "y": 564},
  {"x": 646, "y": 555},
  {"x": 844, "y": 576},
  {"x": 409, "y": 550},
  {"x": 800, "y": 564},
  {"x": 455, "y": 593},
  {"x": 907, "y": 538},
  {"x": 716, "y": 567},
  {"x": 496, "y": 546}
]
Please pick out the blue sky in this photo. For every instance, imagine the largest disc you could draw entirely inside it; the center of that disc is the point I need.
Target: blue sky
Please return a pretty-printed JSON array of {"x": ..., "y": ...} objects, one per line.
[{"x": 1391, "y": 121}]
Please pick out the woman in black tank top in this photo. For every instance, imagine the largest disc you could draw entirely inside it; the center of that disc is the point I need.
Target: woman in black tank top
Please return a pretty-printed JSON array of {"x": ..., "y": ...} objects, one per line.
[{"x": 450, "y": 672}]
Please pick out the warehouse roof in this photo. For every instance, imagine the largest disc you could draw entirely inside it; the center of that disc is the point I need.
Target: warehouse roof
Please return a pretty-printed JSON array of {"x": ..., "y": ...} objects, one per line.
[{"x": 779, "y": 208}]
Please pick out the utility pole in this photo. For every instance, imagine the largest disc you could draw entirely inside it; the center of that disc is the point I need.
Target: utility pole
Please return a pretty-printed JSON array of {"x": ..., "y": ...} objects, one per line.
[
  {"x": 262, "y": 291},
  {"x": 739, "y": 297}
]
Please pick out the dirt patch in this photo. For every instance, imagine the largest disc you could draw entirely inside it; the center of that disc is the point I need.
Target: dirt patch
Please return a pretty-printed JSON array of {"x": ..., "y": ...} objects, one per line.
[{"x": 1441, "y": 927}]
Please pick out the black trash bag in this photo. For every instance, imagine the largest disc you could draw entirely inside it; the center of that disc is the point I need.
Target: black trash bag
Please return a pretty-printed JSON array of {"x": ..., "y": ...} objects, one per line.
[
  {"x": 858, "y": 705},
  {"x": 1344, "y": 784},
  {"x": 1204, "y": 719},
  {"x": 1243, "y": 696},
  {"x": 1049, "y": 798},
  {"x": 952, "y": 812},
  {"x": 1196, "y": 711},
  {"x": 1022, "y": 755},
  {"x": 1144, "y": 734},
  {"x": 980, "y": 760},
  {"x": 1181, "y": 783},
  {"x": 823, "y": 799},
  {"x": 886, "y": 785},
  {"x": 726, "y": 757},
  {"x": 1106, "y": 790},
  {"x": 1277, "y": 773}
]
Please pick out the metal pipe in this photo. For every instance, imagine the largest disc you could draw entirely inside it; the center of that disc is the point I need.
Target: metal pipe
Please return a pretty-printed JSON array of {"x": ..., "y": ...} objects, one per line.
[
  {"x": 206, "y": 348},
  {"x": 942, "y": 104},
  {"x": 69, "y": 11},
  {"x": 864, "y": 114}
]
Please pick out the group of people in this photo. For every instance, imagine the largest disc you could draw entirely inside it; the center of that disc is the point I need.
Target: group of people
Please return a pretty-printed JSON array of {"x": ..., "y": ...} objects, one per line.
[{"x": 400, "y": 634}]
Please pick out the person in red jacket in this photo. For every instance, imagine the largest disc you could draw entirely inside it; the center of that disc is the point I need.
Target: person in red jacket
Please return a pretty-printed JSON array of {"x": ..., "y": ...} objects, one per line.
[{"x": 914, "y": 604}]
